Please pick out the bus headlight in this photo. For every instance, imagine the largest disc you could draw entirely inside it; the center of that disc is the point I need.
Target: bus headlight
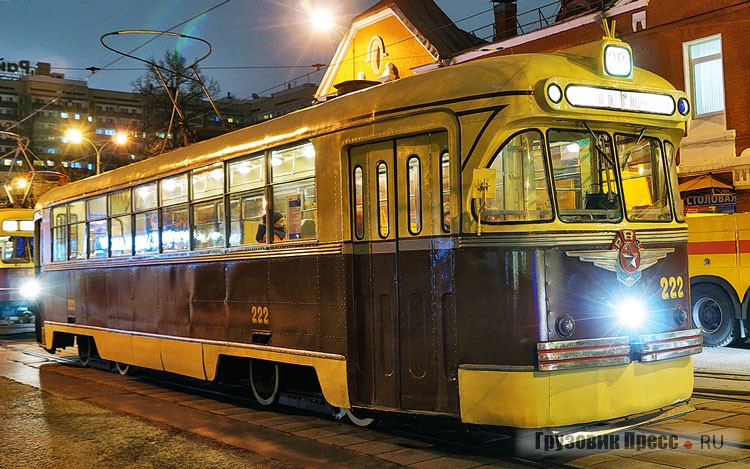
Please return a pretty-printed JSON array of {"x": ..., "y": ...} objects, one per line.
[
  {"x": 631, "y": 313},
  {"x": 29, "y": 289}
]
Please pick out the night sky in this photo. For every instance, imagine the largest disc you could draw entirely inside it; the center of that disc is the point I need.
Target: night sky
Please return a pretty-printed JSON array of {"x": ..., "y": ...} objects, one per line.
[{"x": 244, "y": 35}]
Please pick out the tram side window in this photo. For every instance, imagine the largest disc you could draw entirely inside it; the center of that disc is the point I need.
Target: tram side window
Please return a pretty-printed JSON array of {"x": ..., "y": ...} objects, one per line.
[
  {"x": 584, "y": 176},
  {"x": 445, "y": 191},
  {"x": 383, "y": 215},
  {"x": 293, "y": 189},
  {"x": 246, "y": 207},
  {"x": 208, "y": 224},
  {"x": 644, "y": 177},
  {"x": 145, "y": 203},
  {"x": 359, "y": 206},
  {"x": 208, "y": 216},
  {"x": 60, "y": 233},
  {"x": 521, "y": 191},
  {"x": 173, "y": 195},
  {"x": 246, "y": 214},
  {"x": 15, "y": 249},
  {"x": 98, "y": 233},
  {"x": 77, "y": 230},
  {"x": 414, "y": 182},
  {"x": 121, "y": 241},
  {"x": 297, "y": 202}
]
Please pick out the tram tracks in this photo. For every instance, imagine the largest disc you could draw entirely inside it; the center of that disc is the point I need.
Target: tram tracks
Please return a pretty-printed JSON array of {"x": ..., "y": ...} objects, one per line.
[
  {"x": 722, "y": 386},
  {"x": 413, "y": 432}
]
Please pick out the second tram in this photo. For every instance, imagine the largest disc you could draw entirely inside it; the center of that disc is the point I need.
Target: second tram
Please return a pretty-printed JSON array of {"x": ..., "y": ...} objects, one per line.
[
  {"x": 17, "y": 283},
  {"x": 499, "y": 241}
]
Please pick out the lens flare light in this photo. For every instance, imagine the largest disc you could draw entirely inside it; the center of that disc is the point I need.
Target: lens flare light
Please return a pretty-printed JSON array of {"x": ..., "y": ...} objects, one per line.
[
  {"x": 632, "y": 313},
  {"x": 29, "y": 289}
]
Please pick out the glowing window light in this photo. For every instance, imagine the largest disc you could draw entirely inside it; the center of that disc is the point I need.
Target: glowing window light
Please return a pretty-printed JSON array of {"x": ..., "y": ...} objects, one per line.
[
  {"x": 10, "y": 225},
  {"x": 617, "y": 61}
]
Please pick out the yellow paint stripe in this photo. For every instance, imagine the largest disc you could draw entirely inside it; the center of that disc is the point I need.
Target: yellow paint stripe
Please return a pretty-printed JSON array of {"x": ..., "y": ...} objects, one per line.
[
  {"x": 528, "y": 399},
  {"x": 199, "y": 358}
]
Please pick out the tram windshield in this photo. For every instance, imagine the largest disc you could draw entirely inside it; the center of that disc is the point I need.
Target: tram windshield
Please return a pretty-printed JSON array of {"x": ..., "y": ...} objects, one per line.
[
  {"x": 644, "y": 177},
  {"x": 584, "y": 176},
  {"x": 596, "y": 176},
  {"x": 16, "y": 249}
]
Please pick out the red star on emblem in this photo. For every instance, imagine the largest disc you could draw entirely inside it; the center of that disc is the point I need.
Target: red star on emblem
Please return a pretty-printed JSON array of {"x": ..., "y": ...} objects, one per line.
[{"x": 630, "y": 257}]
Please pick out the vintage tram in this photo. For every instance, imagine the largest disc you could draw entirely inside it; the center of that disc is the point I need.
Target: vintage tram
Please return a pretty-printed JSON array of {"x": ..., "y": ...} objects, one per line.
[{"x": 499, "y": 241}]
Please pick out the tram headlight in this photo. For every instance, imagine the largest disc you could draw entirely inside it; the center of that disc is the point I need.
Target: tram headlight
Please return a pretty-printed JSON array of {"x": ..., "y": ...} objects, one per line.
[
  {"x": 29, "y": 289},
  {"x": 632, "y": 313}
]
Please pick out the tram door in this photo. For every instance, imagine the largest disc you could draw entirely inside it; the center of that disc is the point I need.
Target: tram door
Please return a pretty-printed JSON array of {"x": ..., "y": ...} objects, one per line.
[{"x": 395, "y": 314}]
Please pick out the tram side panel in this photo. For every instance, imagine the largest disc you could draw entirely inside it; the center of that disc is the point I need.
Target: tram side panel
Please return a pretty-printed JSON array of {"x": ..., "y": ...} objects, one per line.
[
  {"x": 289, "y": 302},
  {"x": 496, "y": 306}
]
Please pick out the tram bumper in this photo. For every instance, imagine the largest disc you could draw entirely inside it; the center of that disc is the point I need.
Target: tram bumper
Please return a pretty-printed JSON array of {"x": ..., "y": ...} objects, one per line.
[{"x": 576, "y": 384}]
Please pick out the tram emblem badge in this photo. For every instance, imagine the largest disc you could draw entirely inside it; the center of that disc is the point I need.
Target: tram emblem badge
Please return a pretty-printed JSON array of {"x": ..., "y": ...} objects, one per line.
[{"x": 627, "y": 257}]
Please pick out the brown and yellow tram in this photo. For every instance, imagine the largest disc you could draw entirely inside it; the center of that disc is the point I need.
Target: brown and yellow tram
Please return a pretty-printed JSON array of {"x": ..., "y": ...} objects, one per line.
[{"x": 500, "y": 241}]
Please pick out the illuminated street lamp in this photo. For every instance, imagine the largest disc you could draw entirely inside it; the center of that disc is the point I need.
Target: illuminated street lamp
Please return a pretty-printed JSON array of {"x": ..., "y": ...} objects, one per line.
[
  {"x": 322, "y": 20},
  {"x": 17, "y": 190},
  {"x": 76, "y": 137}
]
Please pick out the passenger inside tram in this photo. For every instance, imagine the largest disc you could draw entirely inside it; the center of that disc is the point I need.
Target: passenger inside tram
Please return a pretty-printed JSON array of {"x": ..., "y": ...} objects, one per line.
[{"x": 279, "y": 228}]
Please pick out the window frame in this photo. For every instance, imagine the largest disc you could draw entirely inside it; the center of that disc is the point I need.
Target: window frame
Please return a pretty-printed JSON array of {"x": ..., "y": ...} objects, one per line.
[
  {"x": 414, "y": 198},
  {"x": 97, "y": 210},
  {"x": 689, "y": 72},
  {"x": 548, "y": 176}
]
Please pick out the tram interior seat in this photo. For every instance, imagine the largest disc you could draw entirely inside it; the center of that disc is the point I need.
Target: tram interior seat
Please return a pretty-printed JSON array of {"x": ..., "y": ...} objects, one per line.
[
  {"x": 249, "y": 229},
  {"x": 601, "y": 201},
  {"x": 308, "y": 228}
]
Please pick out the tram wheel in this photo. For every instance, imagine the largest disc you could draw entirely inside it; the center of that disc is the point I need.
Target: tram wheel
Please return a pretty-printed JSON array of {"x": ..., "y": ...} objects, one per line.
[
  {"x": 84, "y": 349},
  {"x": 264, "y": 381},
  {"x": 360, "y": 422},
  {"x": 713, "y": 312},
  {"x": 122, "y": 368}
]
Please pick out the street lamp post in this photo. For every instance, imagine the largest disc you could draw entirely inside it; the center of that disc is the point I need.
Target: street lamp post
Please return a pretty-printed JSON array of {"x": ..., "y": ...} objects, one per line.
[{"x": 76, "y": 137}]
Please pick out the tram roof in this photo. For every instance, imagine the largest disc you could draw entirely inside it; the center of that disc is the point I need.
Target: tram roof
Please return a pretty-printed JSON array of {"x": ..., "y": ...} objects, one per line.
[{"x": 432, "y": 89}]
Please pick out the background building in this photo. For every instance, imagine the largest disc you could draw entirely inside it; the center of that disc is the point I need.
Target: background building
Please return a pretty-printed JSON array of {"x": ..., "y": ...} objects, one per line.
[{"x": 42, "y": 106}]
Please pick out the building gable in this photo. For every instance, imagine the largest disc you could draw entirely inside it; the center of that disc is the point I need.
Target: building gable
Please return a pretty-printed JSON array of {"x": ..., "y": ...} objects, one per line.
[{"x": 391, "y": 39}]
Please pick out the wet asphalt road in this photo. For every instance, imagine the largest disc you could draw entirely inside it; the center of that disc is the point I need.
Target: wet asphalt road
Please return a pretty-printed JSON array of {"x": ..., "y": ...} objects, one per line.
[
  {"x": 46, "y": 430},
  {"x": 92, "y": 419},
  {"x": 40, "y": 430}
]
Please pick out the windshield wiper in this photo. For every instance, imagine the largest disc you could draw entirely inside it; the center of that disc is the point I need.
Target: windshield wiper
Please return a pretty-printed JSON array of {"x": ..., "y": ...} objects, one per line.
[
  {"x": 598, "y": 145},
  {"x": 632, "y": 149}
]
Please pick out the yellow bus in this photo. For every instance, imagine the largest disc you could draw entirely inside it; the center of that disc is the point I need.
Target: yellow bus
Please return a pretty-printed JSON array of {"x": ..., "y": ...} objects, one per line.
[
  {"x": 500, "y": 242},
  {"x": 719, "y": 262}
]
